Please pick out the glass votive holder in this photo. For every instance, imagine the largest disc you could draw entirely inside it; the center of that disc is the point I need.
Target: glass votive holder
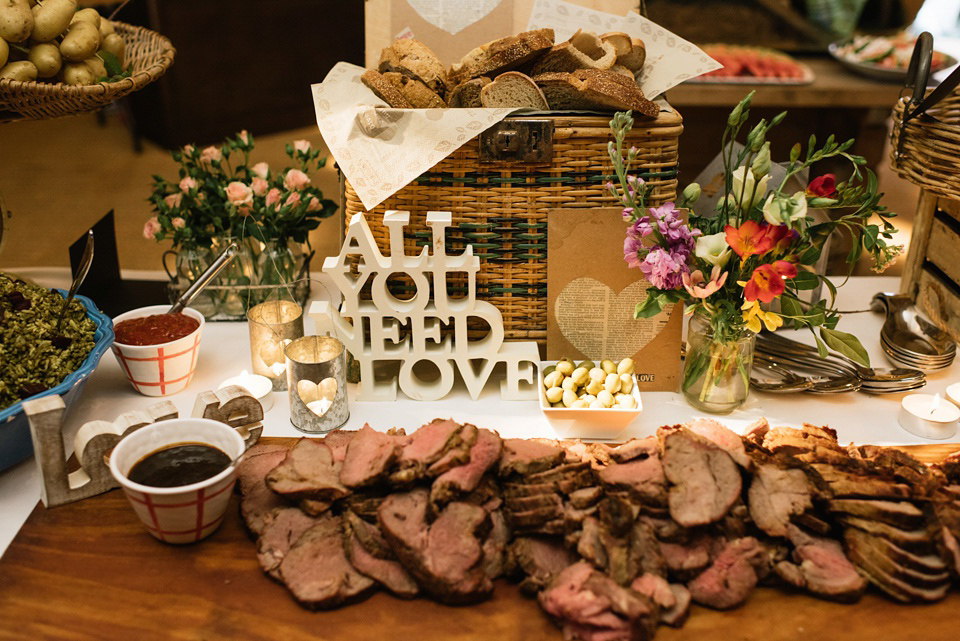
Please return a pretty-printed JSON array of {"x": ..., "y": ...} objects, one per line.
[
  {"x": 273, "y": 325},
  {"x": 317, "y": 383}
]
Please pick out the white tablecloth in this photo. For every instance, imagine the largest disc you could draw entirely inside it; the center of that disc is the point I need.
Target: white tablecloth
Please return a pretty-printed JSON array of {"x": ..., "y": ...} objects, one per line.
[{"x": 225, "y": 352}]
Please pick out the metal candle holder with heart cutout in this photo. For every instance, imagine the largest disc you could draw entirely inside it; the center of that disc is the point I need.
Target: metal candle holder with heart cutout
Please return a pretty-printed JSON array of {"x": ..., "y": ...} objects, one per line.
[
  {"x": 317, "y": 383},
  {"x": 273, "y": 325}
]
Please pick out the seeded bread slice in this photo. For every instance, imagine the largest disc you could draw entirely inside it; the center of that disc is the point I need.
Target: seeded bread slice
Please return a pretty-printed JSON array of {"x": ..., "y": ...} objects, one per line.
[
  {"x": 634, "y": 59},
  {"x": 502, "y": 55},
  {"x": 412, "y": 58},
  {"x": 602, "y": 90},
  {"x": 467, "y": 93},
  {"x": 513, "y": 89},
  {"x": 384, "y": 89},
  {"x": 623, "y": 71},
  {"x": 415, "y": 92},
  {"x": 584, "y": 50}
]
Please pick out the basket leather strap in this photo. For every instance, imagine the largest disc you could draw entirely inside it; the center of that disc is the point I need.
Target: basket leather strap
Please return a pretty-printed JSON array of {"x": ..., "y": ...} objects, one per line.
[{"x": 918, "y": 75}]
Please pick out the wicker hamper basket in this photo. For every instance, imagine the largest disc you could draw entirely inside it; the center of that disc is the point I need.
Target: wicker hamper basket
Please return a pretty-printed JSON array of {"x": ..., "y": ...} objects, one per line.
[
  {"x": 149, "y": 53},
  {"x": 926, "y": 151},
  {"x": 501, "y": 207}
]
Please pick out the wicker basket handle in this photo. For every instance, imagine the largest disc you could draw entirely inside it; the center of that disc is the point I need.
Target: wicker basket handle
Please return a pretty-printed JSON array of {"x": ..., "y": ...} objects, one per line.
[{"x": 919, "y": 74}]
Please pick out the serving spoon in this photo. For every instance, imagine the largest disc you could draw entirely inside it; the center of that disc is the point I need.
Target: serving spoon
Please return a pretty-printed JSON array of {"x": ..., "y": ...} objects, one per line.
[
  {"x": 82, "y": 270},
  {"x": 205, "y": 278}
]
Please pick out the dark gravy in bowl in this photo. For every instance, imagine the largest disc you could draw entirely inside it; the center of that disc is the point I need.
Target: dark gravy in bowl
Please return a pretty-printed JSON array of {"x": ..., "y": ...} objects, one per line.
[{"x": 179, "y": 464}]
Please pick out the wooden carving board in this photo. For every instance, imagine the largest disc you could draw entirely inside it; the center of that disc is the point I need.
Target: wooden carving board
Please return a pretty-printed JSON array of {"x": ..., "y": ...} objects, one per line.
[{"x": 89, "y": 571}]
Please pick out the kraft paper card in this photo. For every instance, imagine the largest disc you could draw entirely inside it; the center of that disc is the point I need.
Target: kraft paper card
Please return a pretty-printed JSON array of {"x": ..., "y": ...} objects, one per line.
[{"x": 591, "y": 295}]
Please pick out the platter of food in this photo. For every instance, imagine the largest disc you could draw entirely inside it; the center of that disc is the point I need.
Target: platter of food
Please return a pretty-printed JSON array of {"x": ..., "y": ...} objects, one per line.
[
  {"x": 35, "y": 362},
  {"x": 883, "y": 57},
  {"x": 384, "y": 531},
  {"x": 754, "y": 65}
]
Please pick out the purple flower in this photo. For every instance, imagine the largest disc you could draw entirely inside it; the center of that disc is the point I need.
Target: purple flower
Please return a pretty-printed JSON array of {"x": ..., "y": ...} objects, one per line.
[
  {"x": 665, "y": 269},
  {"x": 627, "y": 214},
  {"x": 631, "y": 250}
]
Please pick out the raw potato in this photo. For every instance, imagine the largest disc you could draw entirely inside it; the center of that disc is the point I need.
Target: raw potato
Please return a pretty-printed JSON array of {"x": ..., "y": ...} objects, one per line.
[
  {"x": 608, "y": 366},
  {"x": 89, "y": 15},
  {"x": 77, "y": 73},
  {"x": 22, "y": 70},
  {"x": 16, "y": 20},
  {"x": 625, "y": 366},
  {"x": 115, "y": 45},
  {"x": 46, "y": 57},
  {"x": 52, "y": 18},
  {"x": 554, "y": 395},
  {"x": 99, "y": 70},
  {"x": 106, "y": 28},
  {"x": 4, "y": 52},
  {"x": 81, "y": 42}
]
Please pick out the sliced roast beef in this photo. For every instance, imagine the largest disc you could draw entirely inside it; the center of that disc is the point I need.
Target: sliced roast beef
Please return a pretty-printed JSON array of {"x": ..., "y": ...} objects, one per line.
[
  {"x": 364, "y": 505},
  {"x": 457, "y": 454},
  {"x": 368, "y": 457},
  {"x": 672, "y": 599},
  {"x": 564, "y": 487},
  {"x": 562, "y": 472},
  {"x": 684, "y": 560},
  {"x": 257, "y": 500},
  {"x": 705, "y": 481},
  {"x": 775, "y": 495},
  {"x": 495, "y": 545},
  {"x": 586, "y": 497},
  {"x": 589, "y": 606},
  {"x": 838, "y": 483},
  {"x": 465, "y": 478},
  {"x": 924, "y": 566},
  {"x": 731, "y": 577},
  {"x": 529, "y": 456},
  {"x": 523, "y": 503},
  {"x": 308, "y": 472},
  {"x": 313, "y": 507},
  {"x": 823, "y": 568},
  {"x": 445, "y": 558},
  {"x": 389, "y": 574},
  {"x": 913, "y": 540},
  {"x": 538, "y": 560},
  {"x": 534, "y": 518},
  {"x": 316, "y": 569},
  {"x": 424, "y": 447},
  {"x": 901, "y": 514},
  {"x": 725, "y": 438},
  {"x": 756, "y": 431},
  {"x": 791, "y": 440},
  {"x": 338, "y": 441},
  {"x": 635, "y": 448},
  {"x": 282, "y": 528},
  {"x": 891, "y": 578},
  {"x": 368, "y": 535},
  {"x": 642, "y": 477}
]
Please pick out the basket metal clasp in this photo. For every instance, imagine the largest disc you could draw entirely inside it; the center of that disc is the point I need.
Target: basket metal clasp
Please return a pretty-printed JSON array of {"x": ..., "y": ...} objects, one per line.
[{"x": 526, "y": 141}]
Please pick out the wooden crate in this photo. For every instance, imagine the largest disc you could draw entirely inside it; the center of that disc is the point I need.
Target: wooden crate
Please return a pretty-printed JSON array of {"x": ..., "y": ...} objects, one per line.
[{"x": 932, "y": 271}]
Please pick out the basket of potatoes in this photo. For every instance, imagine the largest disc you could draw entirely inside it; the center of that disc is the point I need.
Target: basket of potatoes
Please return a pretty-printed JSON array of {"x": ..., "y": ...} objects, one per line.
[
  {"x": 586, "y": 400},
  {"x": 56, "y": 60}
]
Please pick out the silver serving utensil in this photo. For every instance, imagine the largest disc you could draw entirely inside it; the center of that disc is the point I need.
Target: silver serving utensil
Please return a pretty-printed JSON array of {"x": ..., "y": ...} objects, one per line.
[
  {"x": 910, "y": 335},
  {"x": 85, "y": 261},
  {"x": 205, "y": 278}
]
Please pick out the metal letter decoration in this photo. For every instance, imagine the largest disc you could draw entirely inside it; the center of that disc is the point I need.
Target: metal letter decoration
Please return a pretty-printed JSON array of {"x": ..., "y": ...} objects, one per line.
[{"x": 420, "y": 316}]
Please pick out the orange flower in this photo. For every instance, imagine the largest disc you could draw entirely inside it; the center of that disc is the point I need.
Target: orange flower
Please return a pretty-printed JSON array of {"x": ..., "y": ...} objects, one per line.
[
  {"x": 750, "y": 239},
  {"x": 766, "y": 283}
]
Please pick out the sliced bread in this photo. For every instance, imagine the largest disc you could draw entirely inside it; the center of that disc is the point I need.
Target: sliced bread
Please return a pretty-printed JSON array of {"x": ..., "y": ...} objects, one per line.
[
  {"x": 411, "y": 57},
  {"x": 601, "y": 90},
  {"x": 513, "y": 89},
  {"x": 622, "y": 43},
  {"x": 467, "y": 93},
  {"x": 384, "y": 89},
  {"x": 584, "y": 50},
  {"x": 415, "y": 92},
  {"x": 634, "y": 59},
  {"x": 623, "y": 71},
  {"x": 502, "y": 55}
]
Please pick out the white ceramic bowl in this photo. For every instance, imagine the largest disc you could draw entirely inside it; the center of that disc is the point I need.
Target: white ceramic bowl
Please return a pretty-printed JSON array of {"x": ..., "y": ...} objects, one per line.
[
  {"x": 587, "y": 423},
  {"x": 187, "y": 513},
  {"x": 164, "y": 369}
]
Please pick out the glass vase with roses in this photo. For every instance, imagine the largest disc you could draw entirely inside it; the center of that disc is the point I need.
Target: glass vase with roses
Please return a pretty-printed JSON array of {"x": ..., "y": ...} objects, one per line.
[
  {"x": 219, "y": 197},
  {"x": 758, "y": 247}
]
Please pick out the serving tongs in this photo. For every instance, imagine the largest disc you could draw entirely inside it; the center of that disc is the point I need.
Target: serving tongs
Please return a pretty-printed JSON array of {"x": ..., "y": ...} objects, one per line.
[
  {"x": 82, "y": 270},
  {"x": 205, "y": 278}
]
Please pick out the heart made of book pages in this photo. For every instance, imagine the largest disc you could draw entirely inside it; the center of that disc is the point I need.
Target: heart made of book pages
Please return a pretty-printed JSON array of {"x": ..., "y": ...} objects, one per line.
[
  {"x": 599, "y": 322},
  {"x": 318, "y": 398},
  {"x": 453, "y": 16}
]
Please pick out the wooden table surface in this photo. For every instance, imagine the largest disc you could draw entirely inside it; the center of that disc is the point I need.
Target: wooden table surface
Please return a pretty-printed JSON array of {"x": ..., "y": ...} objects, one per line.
[
  {"x": 89, "y": 571},
  {"x": 833, "y": 86}
]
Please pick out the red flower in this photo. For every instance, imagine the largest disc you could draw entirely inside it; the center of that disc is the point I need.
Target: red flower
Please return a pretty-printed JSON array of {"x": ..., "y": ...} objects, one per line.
[
  {"x": 781, "y": 237},
  {"x": 823, "y": 187},
  {"x": 766, "y": 283},
  {"x": 750, "y": 239}
]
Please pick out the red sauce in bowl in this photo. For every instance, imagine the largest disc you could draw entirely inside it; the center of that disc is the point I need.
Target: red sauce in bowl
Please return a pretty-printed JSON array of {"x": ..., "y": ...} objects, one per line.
[{"x": 154, "y": 330}]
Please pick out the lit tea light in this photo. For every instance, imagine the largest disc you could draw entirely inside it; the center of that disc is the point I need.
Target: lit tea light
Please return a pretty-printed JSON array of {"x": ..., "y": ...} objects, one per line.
[
  {"x": 273, "y": 325},
  {"x": 259, "y": 387},
  {"x": 928, "y": 416}
]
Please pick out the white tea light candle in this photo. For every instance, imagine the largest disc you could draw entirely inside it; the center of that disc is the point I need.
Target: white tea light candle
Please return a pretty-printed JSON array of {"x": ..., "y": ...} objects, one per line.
[
  {"x": 260, "y": 387},
  {"x": 953, "y": 394},
  {"x": 929, "y": 416}
]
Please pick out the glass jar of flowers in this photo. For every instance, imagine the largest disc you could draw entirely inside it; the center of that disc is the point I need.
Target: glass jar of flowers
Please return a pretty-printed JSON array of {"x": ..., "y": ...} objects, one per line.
[
  {"x": 756, "y": 249},
  {"x": 219, "y": 197}
]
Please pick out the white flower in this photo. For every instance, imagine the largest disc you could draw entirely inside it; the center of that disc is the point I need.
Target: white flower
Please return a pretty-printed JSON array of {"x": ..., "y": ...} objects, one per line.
[
  {"x": 747, "y": 192},
  {"x": 778, "y": 211},
  {"x": 713, "y": 249},
  {"x": 261, "y": 169}
]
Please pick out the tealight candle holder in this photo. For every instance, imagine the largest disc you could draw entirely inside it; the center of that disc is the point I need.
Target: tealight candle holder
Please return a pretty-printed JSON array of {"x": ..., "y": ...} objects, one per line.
[
  {"x": 273, "y": 325},
  {"x": 317, "y": 383},
  {"x": 260, "y": 387},
  {"x": 953, "y": 394},
  {"x": 929, "y": 416}
]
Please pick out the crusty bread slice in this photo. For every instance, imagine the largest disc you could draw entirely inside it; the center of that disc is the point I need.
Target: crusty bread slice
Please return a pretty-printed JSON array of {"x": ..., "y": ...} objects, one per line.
[
  {"x": 384, "y": 90},
  {"x": 634, "y": 59},
  {"x": 622, "y": 43},
  {"x": 584, "y": 50},
  {"x": 623, "y": 71},
  {"x": 411, "y": 57},
  {"x": 415, "y": 92},
  {"x": 513, "y": 89},
  {"x": 602, "y": 90},
  {"x": 467, "y": 93},
  {"x": 502, "y": 55}
]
